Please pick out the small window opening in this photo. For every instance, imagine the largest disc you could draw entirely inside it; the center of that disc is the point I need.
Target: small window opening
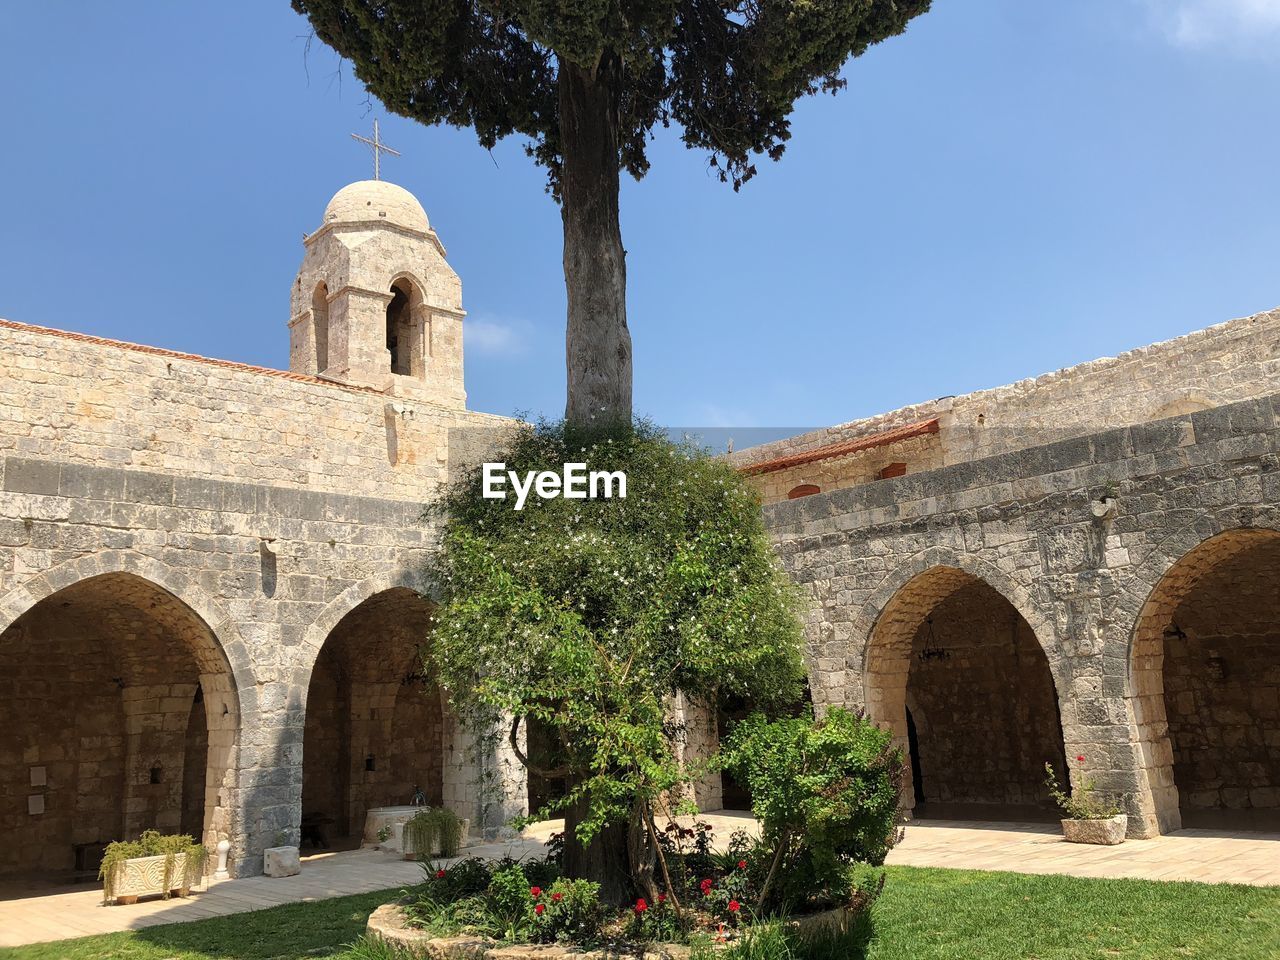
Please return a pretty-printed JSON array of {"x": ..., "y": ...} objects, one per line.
[
  {"x": 320, "y": 326},
  {"x": 398, "y": 329}
]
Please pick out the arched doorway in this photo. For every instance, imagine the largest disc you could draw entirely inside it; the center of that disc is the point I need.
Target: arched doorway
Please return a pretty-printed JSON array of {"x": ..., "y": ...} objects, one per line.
[
  {"x": 1206, "y": 684},
  {"x": 375, "y": 726},
  {"x": 117, "y": 715},
  {"x": 959, "y": 676}
]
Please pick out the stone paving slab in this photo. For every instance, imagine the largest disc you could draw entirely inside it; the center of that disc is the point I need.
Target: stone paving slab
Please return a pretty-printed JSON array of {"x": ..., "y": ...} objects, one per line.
[
  {"x": 1210, "y": 856},
  {"x": 59, "y": 915}
]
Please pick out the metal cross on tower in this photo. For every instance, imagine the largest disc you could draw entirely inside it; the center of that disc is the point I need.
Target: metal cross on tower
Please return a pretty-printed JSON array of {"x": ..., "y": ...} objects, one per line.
[{"x": 379, "y": 148}]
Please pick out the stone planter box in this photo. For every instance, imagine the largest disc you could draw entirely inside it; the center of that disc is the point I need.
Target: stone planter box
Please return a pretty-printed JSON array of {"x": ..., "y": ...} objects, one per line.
[
  {"x": 394, "y": 819},
  {"x": 144, "y": 877},
  {"x": 397, "y": 834},
  {"x": 1106, "y": 832}
]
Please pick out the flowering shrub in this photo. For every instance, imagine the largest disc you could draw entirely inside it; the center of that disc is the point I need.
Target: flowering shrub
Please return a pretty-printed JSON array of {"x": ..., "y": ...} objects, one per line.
[
  {"x": 827, "y": 794},
  {"x": 466, "y": 878},
  {"x": 653, "y": 922},
  {"x": 568, "y": 911},
  {"x": 1083, "y": 803}
]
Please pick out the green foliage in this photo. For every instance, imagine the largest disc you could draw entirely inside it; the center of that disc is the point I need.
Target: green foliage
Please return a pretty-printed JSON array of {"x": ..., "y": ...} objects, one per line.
[
  {"x": 587, "y": 615},
  {"x": 827, "y": 794},
  {"x": 1084, "y": 803},
  {"x": 152, "y": 843},
  {"x": 510, "y": 901},
  {"x": 374, "y": 948},
  {"x": 433, "y": 831},
  {"x": 655, "y": 922},
  {"x": 727, "y": 72},
  {"x": 465, "y": 878},
  {"x": 572, "y": 913}
]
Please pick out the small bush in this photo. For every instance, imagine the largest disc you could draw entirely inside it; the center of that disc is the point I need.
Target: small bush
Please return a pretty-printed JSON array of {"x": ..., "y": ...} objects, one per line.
[
  {"x": 510, "y": 900},
  {"x": 827, "y": 795},
  {"x": 572, "y": 913},
  {"x": 1084, "y": 803},
  {"x": 466, "y": 878},
  {"x": 654, "y": 922}
]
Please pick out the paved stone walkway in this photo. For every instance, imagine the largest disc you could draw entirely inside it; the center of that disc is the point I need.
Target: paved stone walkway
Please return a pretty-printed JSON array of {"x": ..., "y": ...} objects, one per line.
[
  {"x": 60, "y": 915},
  {"x": 1208, "y": 856},
  {"x": 1204, "y": 855}
]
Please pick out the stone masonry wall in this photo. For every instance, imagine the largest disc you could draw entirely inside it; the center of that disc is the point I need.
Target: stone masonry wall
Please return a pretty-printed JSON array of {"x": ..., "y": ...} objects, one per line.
[
  {"x": 1076, "y": 535},
  {"x": 1227, "y": 363},
  {"x": 266, "y": 505}
]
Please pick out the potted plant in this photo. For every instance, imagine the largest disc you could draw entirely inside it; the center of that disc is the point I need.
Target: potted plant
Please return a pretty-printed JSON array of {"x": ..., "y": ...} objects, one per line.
[
  {"x": 153, "y": 864},
  {"x": 1090, "y": 818},
  {"x": 432, "y": 832}
]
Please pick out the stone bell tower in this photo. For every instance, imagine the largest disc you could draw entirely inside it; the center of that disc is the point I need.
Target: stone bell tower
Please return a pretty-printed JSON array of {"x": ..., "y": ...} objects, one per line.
[{"x": 375, "y": 303}]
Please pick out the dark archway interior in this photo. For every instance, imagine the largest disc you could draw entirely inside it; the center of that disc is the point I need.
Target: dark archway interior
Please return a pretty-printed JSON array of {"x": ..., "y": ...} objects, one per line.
[
  {"x": 374, "y": 731},
  {"x": 103, "y": 726},
  {"x": 959, "y": 676},
  {"x": 1220, "y": 630}
]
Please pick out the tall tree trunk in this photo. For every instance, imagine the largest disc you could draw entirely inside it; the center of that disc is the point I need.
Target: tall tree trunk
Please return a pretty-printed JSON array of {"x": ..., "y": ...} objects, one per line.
[
  {"x": 597, "y": 341},
  {"x": 606, "y": 860}
]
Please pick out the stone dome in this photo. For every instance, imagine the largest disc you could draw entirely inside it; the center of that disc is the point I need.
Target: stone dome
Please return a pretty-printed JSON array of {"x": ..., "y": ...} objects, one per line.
[{"x": 376, "y": 200}]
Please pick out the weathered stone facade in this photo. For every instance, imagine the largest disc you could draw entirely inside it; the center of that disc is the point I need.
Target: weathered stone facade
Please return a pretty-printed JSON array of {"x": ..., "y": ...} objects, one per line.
[
  {"x": 179, "y": 537},
  {"x": 211, "y": 589},
  {"x": 1140, "y": 559}
]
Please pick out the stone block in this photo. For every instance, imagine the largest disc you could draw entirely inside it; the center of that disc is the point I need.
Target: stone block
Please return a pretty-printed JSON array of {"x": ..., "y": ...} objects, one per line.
[{"x": 281, "y": 862}]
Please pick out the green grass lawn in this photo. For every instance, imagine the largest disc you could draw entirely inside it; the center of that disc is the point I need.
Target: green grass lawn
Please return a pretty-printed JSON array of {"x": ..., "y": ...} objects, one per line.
[{"x": 923, "y": 915}]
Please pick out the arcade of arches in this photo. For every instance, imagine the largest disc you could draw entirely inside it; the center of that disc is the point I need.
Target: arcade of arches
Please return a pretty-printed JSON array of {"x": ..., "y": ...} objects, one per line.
[
  {"x": 117, "y": 714},
  {"x": 375, "y": 723},
  {"x": 958, "y": 675},
  {"x": 118, "y": 711}
]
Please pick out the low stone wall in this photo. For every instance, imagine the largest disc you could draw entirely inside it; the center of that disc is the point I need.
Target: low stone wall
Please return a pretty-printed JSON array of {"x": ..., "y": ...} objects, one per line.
[{"x": 387, "y": 923}]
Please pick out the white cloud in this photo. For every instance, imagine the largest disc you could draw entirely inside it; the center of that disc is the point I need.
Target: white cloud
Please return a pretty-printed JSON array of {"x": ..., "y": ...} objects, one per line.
[
  {"x": 1207, "y": 23},
  {"x": 495, "y": 337}
]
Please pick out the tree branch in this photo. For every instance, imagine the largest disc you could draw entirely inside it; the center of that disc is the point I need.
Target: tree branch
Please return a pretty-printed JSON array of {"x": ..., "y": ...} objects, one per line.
[{"x": 553, "y": 774}]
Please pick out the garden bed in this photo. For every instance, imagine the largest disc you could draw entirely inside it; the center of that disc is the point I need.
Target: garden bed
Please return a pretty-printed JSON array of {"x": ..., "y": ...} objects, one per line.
[{"x": 390, "y": 924}]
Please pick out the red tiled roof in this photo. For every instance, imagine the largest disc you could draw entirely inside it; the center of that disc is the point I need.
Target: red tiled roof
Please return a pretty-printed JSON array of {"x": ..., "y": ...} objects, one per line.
[
  {"x": 843, "y": 448},
  {"x": 176, "y": 355}
]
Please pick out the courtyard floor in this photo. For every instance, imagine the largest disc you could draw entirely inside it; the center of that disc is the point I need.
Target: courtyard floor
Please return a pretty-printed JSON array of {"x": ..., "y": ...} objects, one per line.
[{"x": 1203, "y": 855}]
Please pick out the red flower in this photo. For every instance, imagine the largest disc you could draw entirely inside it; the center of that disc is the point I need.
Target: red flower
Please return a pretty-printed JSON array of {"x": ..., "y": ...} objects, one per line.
[
  {"x": 535, "y": 892},
  {"x": 662, "y": 898},
  {"x": 538, "y": 908},
  {"x": 734, "y": 906},
  {"x": 641, "y": 905},
  {"x": 742, "y": 864},
  {"x": 706, "y": 885},
  {"x": 1080, "y": 758},
  {"x": 557, "y": 897},
  {"x": 439, "y": 874}
]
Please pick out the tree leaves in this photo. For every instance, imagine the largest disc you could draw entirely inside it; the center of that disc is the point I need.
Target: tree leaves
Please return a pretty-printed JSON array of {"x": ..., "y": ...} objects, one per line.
[
  {"x": 589, "y": 615},
  {"x": 727, "y": 71}
]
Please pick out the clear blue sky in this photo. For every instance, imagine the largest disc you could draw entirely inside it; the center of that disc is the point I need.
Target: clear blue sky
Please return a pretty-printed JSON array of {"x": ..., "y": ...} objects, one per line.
[{"x": 1011, "y": 187}]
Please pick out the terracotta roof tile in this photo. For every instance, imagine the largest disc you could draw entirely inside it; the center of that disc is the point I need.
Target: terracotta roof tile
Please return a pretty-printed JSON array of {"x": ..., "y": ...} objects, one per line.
[{"x": 843, "y": 448}]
